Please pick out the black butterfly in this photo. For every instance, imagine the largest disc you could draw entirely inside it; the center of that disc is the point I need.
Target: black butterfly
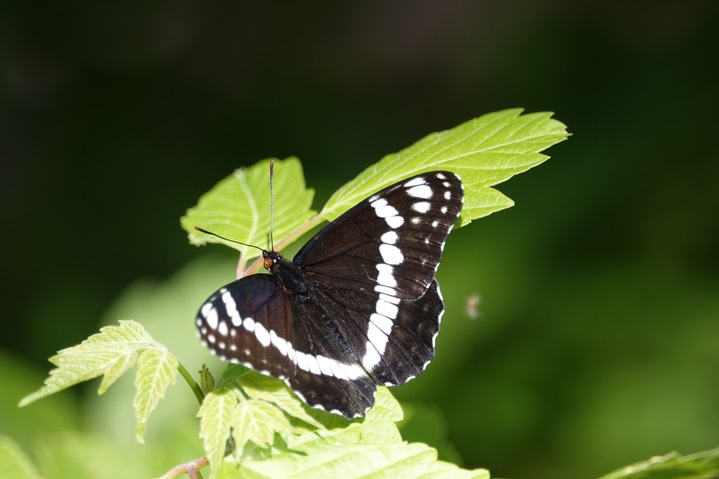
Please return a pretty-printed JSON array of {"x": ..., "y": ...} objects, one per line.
[{"x": 358, "y": 306}]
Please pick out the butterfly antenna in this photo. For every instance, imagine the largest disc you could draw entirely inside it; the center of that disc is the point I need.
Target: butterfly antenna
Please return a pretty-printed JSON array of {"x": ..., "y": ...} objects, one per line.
[
  {"x": 272, "y": 204},
  {"x": 203, "y": 230}
]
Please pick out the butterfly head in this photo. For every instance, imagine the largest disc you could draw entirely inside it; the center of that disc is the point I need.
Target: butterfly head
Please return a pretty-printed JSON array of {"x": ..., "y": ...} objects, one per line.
[{"x": 270, "y": 258}]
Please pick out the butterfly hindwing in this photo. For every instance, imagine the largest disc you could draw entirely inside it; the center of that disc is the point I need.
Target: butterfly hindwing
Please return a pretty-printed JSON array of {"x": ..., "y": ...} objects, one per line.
[{"x": 245, "y": 322}]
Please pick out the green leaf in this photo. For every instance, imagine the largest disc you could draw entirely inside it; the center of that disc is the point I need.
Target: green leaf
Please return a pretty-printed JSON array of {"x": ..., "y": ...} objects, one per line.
[
  {"x": 238, "y": 207},
  {"x": 13, "y": 462},
  {"x": 370, "y": 448},
  {"x": 324, "y": 457},
  {"x": 110, "y": 353},
  {"x": 702, "y": 465},
  {"x": 116, "y": 369},
  {"x": 156, "y": 370},
  {"x": 266, "y": 388},
  {"x": 257, "y": 421},
  {"x": 483, "y": 151},
  {"x": 233, "y": 372},
  {"x": 216, "y": 416},
  {"x": 366, "y": 448}
]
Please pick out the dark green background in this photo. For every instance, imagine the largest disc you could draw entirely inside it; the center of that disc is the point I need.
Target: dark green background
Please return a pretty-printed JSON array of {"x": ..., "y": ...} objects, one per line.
[{"x": 596, "y": 343}]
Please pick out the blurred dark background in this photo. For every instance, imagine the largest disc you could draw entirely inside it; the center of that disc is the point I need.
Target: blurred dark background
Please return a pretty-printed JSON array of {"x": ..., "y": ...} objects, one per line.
[{"x": 596, "y": 340}]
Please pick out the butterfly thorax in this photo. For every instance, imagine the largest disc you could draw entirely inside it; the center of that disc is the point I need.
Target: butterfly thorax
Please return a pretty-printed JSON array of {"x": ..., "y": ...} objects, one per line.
[{"x": 289, "y": 275}]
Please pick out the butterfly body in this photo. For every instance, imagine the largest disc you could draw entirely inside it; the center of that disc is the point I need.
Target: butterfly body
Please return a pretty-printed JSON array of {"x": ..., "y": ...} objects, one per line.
[{"x": 356, "y": 307}]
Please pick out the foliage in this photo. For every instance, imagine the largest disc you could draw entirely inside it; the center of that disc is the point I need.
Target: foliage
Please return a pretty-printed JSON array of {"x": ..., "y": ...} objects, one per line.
[{"x": 252, "y": 425}]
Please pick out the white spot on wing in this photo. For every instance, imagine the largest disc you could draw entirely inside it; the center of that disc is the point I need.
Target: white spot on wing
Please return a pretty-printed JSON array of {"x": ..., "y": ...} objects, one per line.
[
  {"x": 386, "y": 276},
  {"x": 385, "y": 290},
  {"x": 382, "y": 322},
  {"x": 394, "y": 222},
  {"x": 389, "y": 299},
  {"x": 301, "y": 361},
  {"x": 353, "y": 371},
  {"x": 210, "y": 314},
  {"x": 391, "y": 254},
  {"x": 222, "y": 328},
  {"x": 389, "y": 237},
  {"x": 376, "y": 337},
  {"x": 383, "y": 209},
  {"x": 280, "y": 343},
  {"x": 415, "y": 182},
  {"x": 421, "y": 191},
  {"x": 421, "y": 206},
  {"x": 229, "y": 301},
  {"x": 325, "y": 365},
  {"x": 371, "y": 358},
  {"x": 386, "y": 308},
  {"x": 249, "y": 324},
  {"x": 262, "y": 335},
  {"x": 312, "y": 363}
]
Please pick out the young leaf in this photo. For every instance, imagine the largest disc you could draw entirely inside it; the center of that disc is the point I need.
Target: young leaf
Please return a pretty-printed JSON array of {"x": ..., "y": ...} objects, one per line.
[
  {"x": 156, "y": 370},
  {"x": 483, "y": 151},
  {"x": 238, "y": 207},
  {"x": 110, "y": 353},
  {"x": 216, "y": 415},
  {"x": 115, "y": 370},
  {"x": 371, "y": 448},
  {"x": 257, "y": 421},
  {"x": 258, "y": 386}
]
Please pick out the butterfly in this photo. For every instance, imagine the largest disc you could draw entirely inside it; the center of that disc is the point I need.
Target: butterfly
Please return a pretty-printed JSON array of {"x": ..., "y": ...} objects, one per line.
[{"x": 358, "y": 305}]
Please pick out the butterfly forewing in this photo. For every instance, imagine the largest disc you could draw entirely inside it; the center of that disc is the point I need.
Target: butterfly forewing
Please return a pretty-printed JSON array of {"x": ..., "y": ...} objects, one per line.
[
  {"x": 358, "y": 305},
  {"x": 392, "y": 241}
]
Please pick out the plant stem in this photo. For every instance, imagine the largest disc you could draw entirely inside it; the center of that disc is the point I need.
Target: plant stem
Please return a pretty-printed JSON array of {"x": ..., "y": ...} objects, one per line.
[
  {"x": 191, "y": 382},
  {"x": 192, "y": 469}
]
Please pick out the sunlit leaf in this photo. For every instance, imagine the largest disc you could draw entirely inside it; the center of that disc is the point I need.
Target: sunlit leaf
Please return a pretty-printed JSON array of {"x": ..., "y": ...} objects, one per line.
[
  {"x": 371, "y": 448},
  {"x": 258, "y": 386},
  {"x": 110, "y": 353},
  {"x": 156, "y": 370},
  {"x": 110, "y": 350},
  {"x": 483, "y": 151},
  {"x": 216, "y": 417},
  {"x": 257, "y": 421},
  {"x": 238, "y": 207}
]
